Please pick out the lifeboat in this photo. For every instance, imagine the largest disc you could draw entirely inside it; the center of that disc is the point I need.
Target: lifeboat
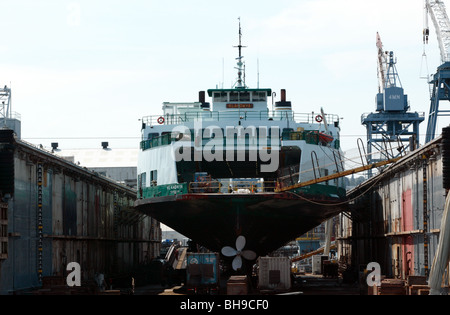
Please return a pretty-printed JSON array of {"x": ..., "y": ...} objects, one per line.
[{"x": 325, "y": 138}]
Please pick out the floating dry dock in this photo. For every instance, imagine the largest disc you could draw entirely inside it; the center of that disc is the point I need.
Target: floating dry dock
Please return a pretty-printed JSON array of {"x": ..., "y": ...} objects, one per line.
[{"x": 54, "y": 212}]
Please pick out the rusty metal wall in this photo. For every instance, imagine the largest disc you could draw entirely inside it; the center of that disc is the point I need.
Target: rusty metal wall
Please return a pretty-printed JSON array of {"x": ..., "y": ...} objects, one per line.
[
  {"x": 396, "y": 223},
  {"x": 66, "y": 214}
]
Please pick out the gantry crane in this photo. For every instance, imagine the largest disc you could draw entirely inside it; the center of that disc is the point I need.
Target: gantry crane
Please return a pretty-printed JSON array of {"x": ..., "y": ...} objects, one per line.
[
  {"x": 392, "y": 122},
  {"x": 435, "y": 9}
]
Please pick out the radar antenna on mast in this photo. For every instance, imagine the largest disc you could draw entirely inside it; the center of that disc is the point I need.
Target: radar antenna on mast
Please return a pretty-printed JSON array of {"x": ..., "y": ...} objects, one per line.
[{"x": 240, "y": 65}]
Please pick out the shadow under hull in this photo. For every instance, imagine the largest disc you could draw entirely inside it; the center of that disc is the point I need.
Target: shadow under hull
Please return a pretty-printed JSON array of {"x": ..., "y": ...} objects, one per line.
[{"x": 267, "y": 220}]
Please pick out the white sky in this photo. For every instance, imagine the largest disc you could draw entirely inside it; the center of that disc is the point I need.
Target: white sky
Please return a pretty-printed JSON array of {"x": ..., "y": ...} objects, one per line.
[{"x": 83, "y": 72}]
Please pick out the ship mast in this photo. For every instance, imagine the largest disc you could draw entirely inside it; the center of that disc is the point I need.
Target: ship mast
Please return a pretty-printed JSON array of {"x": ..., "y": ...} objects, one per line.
[{"x": 240, "y": 83}]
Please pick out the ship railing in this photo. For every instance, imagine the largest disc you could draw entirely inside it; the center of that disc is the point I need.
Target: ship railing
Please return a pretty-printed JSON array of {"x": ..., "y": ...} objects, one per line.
[
  {"x": 12, "y": 115},
  {"x": 212, "y": 186},
  {"x": 175, "y": 119},
  {"x": 236, "y": 187}
]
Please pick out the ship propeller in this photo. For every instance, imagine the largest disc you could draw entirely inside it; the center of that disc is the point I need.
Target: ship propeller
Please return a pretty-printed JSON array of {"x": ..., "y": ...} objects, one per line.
[{"x": 238, "y": 252}]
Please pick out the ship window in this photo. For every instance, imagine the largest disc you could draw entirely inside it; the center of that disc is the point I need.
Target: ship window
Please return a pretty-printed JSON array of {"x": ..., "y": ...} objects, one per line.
[
  {"x": 177, "y": 136},
  {"x": 220, "y": 97},
  {"x": 244, "y": 97},
  {"x": 154, "y": 178},
  {"x": 259, "y": 96},
  {"x": 234, "y": 97},
  {"x": 152, "y": 135},
  {"x": 142, "y": 180}
]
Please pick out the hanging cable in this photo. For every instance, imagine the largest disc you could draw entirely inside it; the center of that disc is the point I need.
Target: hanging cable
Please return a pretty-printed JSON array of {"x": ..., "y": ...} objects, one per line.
[{"x": 338, "y": 203}]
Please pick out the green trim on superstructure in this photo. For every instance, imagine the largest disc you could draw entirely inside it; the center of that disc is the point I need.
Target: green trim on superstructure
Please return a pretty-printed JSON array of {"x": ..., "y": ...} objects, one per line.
[
  {"x": 268, "y": 91},
  {"x": 181, "y": 189},
  {"x": 163, "y": 190},
  {"x": 156, "y": 142}
]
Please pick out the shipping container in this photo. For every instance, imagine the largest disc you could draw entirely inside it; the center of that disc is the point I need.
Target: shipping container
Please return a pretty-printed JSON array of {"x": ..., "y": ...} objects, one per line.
[
  {"x": 202, "y": 273},
  {"x": 274, "y": 273},
  {"x": 317, "y": 263}
]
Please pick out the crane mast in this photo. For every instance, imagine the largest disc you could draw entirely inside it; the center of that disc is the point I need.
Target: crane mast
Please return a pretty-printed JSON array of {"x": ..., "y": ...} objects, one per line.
[{"x": 387, "y": 72}]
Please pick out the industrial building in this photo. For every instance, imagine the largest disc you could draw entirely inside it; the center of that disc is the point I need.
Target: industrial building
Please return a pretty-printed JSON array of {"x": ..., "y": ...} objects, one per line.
[{"x": 54, "y": 212}]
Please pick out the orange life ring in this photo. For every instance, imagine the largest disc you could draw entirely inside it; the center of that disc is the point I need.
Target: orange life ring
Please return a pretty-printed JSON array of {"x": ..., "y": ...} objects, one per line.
[
  {"x": 319, "y": 118},
  {"x": 160, "y": 120}
]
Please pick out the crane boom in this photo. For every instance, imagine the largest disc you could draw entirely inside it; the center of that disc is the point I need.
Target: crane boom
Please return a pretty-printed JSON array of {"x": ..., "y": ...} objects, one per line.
[
  {"x": 381, "y": 65},
  {"x": 436, "y": 10},
  {"x": 440, "y": 81}
]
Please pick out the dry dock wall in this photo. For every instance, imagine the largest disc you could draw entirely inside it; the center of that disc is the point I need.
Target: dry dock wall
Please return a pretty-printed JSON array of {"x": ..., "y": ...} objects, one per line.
[
  {"x": 396, "y": 216},
  {"x": 58, "y": 212}
]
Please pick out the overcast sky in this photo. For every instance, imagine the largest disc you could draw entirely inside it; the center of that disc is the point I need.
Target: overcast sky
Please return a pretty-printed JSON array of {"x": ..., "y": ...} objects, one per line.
[{"x": 83, "y": 72}]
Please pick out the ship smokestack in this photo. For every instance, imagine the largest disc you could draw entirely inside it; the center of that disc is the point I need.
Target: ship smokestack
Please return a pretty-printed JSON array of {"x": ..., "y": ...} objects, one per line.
[
  {"x": 283, "y": 95},
  {"x": 201, "y": 97},
  {"x": 202, "y": 100},
  {"x": 283, "y": 104}
]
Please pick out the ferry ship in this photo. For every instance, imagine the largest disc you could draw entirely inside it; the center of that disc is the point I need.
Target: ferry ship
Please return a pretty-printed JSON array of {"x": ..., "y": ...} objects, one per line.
[{"x": 213, "y": 171}]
